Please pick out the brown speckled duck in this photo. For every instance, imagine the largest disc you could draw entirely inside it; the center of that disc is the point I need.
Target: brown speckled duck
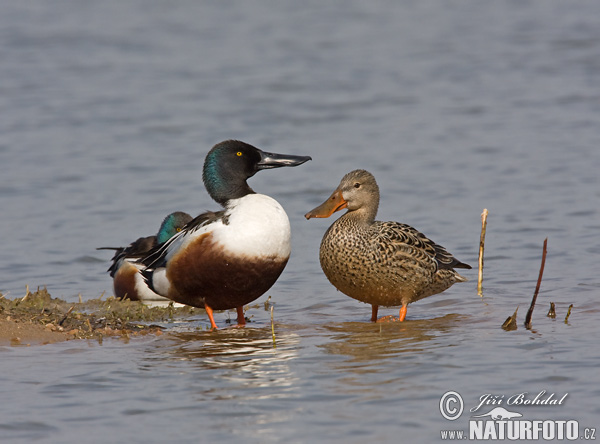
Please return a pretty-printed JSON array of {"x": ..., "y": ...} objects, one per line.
[{"x": 380, "y": 263}]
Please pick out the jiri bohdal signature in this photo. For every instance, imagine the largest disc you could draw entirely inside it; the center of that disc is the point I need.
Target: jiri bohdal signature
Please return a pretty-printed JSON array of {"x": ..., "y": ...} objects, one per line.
[{"x": 523, "y": 398}]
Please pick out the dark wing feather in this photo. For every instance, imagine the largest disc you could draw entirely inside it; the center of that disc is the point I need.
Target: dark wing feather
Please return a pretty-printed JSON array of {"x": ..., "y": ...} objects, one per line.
[
  {"x": 156, "y": 257},
  {"x": 136, "y": 249}
]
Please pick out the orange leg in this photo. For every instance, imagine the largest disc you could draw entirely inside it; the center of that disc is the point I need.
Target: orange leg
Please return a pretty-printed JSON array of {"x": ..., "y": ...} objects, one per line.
[
  {"x": 374, "y": 309},
  {"x": 209, "y": 312},
  {"x": 390, "y": 318},
  {"x": 403, "y": 311},
  {"x": 241, "y": 320}
]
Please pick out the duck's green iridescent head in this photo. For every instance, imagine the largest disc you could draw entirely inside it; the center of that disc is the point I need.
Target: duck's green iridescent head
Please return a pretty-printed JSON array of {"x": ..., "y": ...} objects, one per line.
[
  {"x": 230, "y": 163},
  {"x": 171, "y": 225}
]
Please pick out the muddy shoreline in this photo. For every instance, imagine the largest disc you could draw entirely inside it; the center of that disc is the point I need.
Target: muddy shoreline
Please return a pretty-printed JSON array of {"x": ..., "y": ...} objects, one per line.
[{"x": 38, "y": 318}]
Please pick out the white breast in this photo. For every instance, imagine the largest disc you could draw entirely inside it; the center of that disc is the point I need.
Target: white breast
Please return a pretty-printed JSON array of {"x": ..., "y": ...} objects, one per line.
[{"x": 256, "y": 226}]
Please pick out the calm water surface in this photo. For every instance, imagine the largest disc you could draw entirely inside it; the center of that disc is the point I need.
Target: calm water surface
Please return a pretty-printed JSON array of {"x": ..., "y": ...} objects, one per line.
[{"x": 108, "y": 109}]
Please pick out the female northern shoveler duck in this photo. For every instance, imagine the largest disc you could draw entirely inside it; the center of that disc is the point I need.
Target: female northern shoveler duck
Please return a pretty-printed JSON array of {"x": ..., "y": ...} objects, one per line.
[
  {"x": 128, "y": 283},
  {"x": 226, "y": 259},
  {"x": 380, "y": 263}
]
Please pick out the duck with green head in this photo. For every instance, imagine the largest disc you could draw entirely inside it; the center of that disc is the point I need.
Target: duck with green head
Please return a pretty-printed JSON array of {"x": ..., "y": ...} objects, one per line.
[
  {"x": 228, "y": 258},
  {"x": 127, "y": 281},
  {"x": 380, "y": 263}
]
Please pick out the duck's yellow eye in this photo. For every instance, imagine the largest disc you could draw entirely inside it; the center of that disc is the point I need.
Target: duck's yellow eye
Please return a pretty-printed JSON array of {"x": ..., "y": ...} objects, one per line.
[
  {"x": 239, "y": 154},
  {"x": 178, "y": 229}
]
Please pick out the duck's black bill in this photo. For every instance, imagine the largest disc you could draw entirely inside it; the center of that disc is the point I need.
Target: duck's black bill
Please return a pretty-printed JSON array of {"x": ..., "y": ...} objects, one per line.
[{"x": 274, "y": 160}]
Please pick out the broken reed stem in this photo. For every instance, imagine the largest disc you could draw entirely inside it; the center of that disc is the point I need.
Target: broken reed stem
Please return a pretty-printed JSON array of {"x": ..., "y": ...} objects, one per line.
[
  {"x": 568, "y": 314},
  {"x": 26, "y": 293},
  {"x": 511, "y": 322},
  {"x": 537, "y": 287},
  {"x": 62, "y": 321},
  {"x": 273, "y": 327},
  {"x": 484, "y": 216}
]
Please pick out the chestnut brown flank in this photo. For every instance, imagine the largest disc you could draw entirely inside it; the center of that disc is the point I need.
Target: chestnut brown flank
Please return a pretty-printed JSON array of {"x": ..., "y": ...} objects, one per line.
[
  {"x": 124, "y": 282},
  {"x": 203, "y": 273}
]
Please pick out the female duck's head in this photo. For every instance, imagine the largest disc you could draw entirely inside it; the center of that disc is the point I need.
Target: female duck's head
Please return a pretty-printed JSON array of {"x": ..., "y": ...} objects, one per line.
[
  {"x": 230, "y": 163},
  {"x": 358, "y": 192}
]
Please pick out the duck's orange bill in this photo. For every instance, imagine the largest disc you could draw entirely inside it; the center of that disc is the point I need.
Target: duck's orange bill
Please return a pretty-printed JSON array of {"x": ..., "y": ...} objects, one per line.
[{"x": 335, "y": 203}]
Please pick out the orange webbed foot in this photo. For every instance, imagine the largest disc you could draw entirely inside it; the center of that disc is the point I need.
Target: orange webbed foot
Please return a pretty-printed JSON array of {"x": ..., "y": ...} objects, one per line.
[{"x": 389, "y": 318}]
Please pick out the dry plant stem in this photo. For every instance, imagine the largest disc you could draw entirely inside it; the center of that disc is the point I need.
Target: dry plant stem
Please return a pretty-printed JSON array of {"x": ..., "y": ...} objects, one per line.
[
  {"x": 568, "y": 313},
  {"x": 511, "y": 322},
  {"x": 273, "y": 327},
  {"x": 66, "y": 315},
  {"x": 552, "y": 311},
  {"x": 26, "y": 293},
  {"x": 484, "y": 216},
  {"x": 537, "y": 287}
]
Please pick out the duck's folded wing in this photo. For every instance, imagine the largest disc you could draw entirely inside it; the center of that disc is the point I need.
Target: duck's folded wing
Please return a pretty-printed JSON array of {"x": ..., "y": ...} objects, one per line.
[
  {"x": 137, "y": 249},
  {"x": 403, "y": 236},
  {"x": 158, "y": 256}
]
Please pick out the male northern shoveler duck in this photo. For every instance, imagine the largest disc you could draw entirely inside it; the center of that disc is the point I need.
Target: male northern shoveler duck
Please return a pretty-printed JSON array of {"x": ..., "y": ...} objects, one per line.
[
  {"x": 226, "y": 259},
  {"x": 380, "y": 263},
  {"x": 128, "y": 283}
]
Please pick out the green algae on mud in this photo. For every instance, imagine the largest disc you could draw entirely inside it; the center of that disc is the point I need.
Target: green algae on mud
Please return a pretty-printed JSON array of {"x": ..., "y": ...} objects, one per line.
[{"x": 38, "y": 318}]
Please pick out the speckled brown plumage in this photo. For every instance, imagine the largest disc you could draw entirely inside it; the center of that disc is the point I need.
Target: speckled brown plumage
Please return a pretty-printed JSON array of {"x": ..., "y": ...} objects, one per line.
[{"x": 380, "y": 263}]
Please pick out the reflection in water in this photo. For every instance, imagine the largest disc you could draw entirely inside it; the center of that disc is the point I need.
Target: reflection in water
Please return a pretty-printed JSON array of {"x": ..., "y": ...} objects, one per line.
[
  {"x": 232, "y": 380},
  {"x": 370, "y": 348},
  {"x": 239, "y": 358},
  {"x": 365, "y": 341}
]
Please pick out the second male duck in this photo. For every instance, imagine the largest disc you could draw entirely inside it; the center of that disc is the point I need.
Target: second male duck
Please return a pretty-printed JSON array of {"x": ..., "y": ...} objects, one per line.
[
  {"x": 229, "y": 258},
  {"x": 127, "y": 281}
]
